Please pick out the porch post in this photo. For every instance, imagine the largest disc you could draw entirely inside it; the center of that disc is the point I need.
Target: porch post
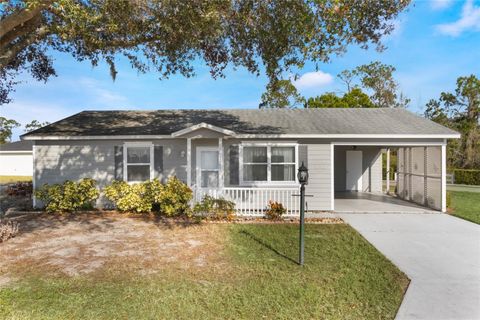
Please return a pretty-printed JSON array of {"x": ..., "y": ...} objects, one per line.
[
  {"x": 189, "y": 162},
  {"x": 444, "y": 177},
  {"x": 220, "y": 162},
  {"x": 388, "y": 170}
]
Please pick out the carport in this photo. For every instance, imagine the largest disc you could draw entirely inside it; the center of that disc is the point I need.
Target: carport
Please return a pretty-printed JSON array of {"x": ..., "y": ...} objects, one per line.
[{"x": 420, "y": 176}]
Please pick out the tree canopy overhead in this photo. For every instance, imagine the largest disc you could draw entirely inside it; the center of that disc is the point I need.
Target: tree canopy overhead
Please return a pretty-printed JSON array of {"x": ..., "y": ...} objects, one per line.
[{"x": 168, "y": 36}]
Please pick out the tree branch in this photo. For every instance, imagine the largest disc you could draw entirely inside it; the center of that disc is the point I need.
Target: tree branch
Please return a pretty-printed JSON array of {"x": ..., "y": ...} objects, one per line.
[
  {"x": 17, "y": 18},
  {"x": 9, "y": 54},
  {"x": 23, "y": 30}
]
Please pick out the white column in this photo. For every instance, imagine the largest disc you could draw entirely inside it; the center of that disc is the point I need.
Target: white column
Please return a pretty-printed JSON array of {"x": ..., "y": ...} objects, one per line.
[
  {"x": 221, "y": 165},
  {"x": 388, "y": 170},
  {"x": 444, "y": 177},
  {"x": 189, "y": 162},
  {"x": 34, "y": 175}
]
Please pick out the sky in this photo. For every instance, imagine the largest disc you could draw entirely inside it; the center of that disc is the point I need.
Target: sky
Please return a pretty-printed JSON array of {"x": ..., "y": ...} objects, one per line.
[{"x": 434, "y": 42}]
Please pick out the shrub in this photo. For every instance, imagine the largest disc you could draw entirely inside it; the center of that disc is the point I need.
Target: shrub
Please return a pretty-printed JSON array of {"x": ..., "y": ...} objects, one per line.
[
  {"x": 467, "y": 176},
  {"x": 174, "y": 199},
  {"x": 218, "y": 209},
  {"x": 20, "y": 189},
  {"x": 275, "y": 210},
  {"x": 8, "y": 229},
  {"x": 134, "y": 197},
  {"x": 69, "y": 196}
]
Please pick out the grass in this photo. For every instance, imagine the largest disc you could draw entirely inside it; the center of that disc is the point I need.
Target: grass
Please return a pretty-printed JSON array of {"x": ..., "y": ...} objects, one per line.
[
  {"x": 466, "y": 205},
  {"x": 344, "y": 278},
  {"x": 10, "y": 179}
]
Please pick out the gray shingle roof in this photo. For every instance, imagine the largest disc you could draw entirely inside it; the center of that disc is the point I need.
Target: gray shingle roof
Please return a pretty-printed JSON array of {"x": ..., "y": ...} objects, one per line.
[
  {"x": 244, "y": 121},
  {"x": 17, "y": 146}
]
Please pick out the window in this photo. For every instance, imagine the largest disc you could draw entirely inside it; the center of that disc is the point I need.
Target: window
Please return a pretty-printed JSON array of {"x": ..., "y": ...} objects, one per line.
[
  {"x": 268, "y": 163},
  {"x": 138, "y": 163}
]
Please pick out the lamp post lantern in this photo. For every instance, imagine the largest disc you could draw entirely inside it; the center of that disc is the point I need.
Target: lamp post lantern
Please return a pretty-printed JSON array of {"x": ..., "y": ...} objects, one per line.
[{"x": 302, "y": 176}]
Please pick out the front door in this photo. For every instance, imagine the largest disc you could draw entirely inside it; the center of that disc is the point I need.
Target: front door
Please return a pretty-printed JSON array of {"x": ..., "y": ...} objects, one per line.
[
  {"x": 354, "y": 170},
  {"x": 208, "y": 167}
]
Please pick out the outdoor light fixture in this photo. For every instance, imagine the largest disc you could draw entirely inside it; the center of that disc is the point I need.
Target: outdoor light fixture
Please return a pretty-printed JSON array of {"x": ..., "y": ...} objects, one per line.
[{"x": 302, "y": 176}]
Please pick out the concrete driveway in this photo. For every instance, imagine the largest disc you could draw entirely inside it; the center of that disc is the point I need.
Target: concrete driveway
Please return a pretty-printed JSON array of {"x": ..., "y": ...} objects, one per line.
[{"x": 438, "y": 252}]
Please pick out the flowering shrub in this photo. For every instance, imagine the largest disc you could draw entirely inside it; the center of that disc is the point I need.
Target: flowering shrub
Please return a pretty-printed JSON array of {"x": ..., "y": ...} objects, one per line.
[
  {"x": 69, "y": 196},
  {"x": 275, "y": 210},
  {"x": 8, "y": 229},
  {"x": 170, "y": 199},
  {"x": 137, "y": 197},
  {"x": 174, "y": 199},
  {"x": 215, "y": 208}
]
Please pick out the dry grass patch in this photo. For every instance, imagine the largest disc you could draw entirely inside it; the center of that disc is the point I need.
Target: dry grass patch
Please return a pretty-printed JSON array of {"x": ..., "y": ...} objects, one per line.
[{"x": 82, "y": 244}]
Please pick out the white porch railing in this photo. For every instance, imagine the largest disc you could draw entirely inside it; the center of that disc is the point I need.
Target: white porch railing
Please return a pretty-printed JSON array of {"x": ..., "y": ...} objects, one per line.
[{"x": 254, "y": 201}]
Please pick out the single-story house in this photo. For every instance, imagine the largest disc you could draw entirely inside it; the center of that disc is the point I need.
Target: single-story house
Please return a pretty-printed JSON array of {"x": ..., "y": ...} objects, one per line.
[
  {"x": 250, "y": 156},
  {"x": 16, "y": 159}
]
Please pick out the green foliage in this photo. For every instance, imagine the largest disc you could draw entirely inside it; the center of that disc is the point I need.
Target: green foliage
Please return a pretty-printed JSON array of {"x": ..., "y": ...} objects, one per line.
[
  {"x": 138, "y": 197},
  {"x": 69, "y": 196},
  {"x": 6, "y": 127},
  {"x": 275, "y": 210},
  {"x": 281, "y": 94},
  {"x": 34, "y": 125},
  {"x": 171, "y": 199},
  {"x": 460, "y": 111},
  {"x": 355, "y": 98},
  {"x": 175, "y": 198},
  {"x": 467, "y": 176},
  {"x": 216, "y": 208},
  {"x": 171, "y": 36}
]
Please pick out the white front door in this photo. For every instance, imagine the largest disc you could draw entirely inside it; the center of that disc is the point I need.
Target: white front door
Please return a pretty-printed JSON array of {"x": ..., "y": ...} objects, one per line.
[
  {"x": 208, "y": 167},
  {"x": 354, "y": 170}
]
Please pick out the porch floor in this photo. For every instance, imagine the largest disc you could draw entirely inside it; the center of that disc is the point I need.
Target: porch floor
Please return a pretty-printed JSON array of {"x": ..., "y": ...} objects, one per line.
[{"x": 363, "y": 202}]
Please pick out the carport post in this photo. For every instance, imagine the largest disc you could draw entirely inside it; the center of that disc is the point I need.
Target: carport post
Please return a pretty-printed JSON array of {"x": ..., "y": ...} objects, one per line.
[
  {"x": 388, "y": 171},
  {"x": 444, "y": 176}
]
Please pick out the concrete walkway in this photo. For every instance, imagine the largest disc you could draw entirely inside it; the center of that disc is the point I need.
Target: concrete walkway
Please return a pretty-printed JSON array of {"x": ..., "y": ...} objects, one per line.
[{"x": 438, "y": 252}]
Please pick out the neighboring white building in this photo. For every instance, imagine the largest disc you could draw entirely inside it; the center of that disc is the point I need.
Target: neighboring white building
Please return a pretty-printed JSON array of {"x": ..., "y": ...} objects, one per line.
[{"x": 16, "y": 159}]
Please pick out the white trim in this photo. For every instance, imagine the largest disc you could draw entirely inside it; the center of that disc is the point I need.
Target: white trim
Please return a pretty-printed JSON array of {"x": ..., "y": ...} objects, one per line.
[
  {"x": 126, "y": 145},
  {"x": 348, "y": 136},
  {"x": 34, "y": 174},
  {"x": 198, "y": 169},
  {"x": 332, "y": 175},
  {"x": 202, "y": 125},
  {"x": 246, "y": 136},
  {"x": 189, "y": 162},
  {"x": 269, "y": 181},
  {"x": 387, "y": 143},
  {"x": 103, "y": 137},
  {"x": 11, "y": 152},
  {"x": 444, "y": 177}
]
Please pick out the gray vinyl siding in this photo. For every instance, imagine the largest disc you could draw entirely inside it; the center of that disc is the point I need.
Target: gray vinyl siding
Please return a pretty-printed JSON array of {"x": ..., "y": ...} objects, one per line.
[{"x": 319, "y": 183}]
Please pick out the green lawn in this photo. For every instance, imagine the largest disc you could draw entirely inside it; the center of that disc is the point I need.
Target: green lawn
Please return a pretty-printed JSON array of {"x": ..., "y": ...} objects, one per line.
[
  {"x": 344, "y": 278},
  {"x": 9, "y": 179},
  {"x": 466, "y": 205}
]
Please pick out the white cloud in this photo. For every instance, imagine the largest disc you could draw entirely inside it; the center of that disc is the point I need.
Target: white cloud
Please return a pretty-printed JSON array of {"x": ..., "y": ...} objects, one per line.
[
  {"x": 313, "y": 80},
  {"x": 440, "y": 4},
  {"x": 103, "y": 97},
  {"x": 469, "y": 20}
]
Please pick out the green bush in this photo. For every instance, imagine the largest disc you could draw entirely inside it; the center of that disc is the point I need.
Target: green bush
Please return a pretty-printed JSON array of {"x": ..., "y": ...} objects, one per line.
[
  {"x": 69, "y": 196},
  {"x": 138, "y": 197},
  {"x": 275, "y": 210},
  {"x": 170, "y": 199},
  {"x": 467, "y": 176},
  {"x": 175, "y": 198},
  {"x": 215, "y": 208}
]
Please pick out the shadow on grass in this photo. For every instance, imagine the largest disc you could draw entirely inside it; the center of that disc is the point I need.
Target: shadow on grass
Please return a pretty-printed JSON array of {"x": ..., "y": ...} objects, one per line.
[{"x": 267, "y": 245}]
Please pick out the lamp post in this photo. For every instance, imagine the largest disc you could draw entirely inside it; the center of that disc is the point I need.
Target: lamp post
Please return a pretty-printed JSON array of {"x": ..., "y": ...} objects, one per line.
[{"x": 302, "y": 176}]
